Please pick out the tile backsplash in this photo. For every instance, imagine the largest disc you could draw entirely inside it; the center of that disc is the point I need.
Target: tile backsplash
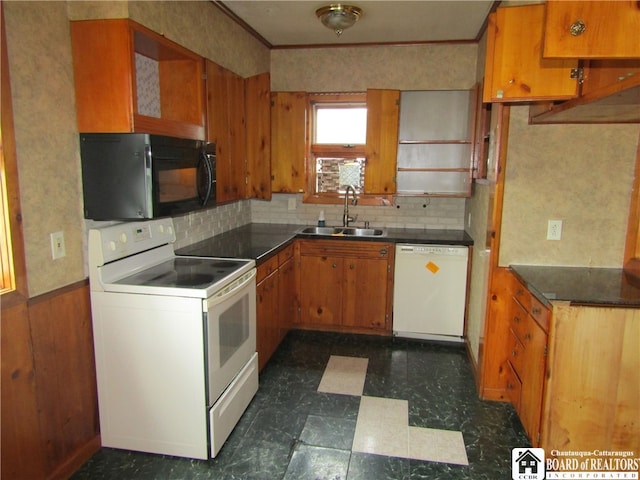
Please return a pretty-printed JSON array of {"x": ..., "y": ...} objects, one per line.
[
  {"x": 405, "y": 212},
  {"x": 200, "y": 225}
]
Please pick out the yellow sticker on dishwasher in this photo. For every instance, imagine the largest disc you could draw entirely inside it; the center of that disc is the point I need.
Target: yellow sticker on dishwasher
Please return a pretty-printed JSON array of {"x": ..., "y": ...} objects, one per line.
[{"x": 432, "y": 267}]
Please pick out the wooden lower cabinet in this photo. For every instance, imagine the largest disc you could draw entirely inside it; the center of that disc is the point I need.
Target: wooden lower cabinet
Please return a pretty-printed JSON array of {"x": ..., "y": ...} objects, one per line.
[
  {"x": 592, "y": 390},
  {"x": 275, "y": 302},
  {"x": 571, "y": 372},
  {"x": 527, "y": 361},
  {"x": 346, "y": 285}
]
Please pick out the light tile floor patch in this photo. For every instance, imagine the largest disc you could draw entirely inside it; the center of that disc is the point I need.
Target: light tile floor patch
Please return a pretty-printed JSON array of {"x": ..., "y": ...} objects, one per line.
[
  {"x": 382, "y": 426},
  {"x": 344, "y": 375}
]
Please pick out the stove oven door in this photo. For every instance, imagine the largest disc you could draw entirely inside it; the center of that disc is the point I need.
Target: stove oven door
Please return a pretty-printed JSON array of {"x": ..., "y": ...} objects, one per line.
[{"x": 231, "y": 332}]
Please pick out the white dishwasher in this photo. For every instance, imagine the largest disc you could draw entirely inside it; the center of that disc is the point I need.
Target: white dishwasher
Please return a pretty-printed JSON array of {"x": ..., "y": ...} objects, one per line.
[{"x": 430, "y": 291}]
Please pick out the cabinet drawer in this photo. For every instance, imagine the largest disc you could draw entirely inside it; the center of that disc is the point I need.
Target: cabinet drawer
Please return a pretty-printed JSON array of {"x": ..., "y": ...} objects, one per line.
[
  {"x": 516, "y": 353},
  {"x": 522, "y": 295},
  {"x": 285, "y": 254},
  {"x": 345, "y": 248},
  {"x": 514, "y": 387},
  {"x": 519, "y": 321},
  {"x": 267, "y": 268},
  {"x": 540, "y": 312}
]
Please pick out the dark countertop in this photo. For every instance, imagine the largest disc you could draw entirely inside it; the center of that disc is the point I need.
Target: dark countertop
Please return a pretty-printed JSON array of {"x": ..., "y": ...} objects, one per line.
[
  {"x": 261, "y": 240},
  {"x": 580, "y": 285}
]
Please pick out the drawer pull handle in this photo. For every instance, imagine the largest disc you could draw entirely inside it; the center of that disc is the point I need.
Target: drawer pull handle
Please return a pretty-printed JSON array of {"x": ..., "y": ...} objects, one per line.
[
  {"x": 536, "y": 311},
  {"x": 383, "y": 251},
  {"x": 335, "y": 265},
  {"x": 527, "y": 336},
  {"x": 514, "y": 353},
  {"x": 516, "y": 319}
]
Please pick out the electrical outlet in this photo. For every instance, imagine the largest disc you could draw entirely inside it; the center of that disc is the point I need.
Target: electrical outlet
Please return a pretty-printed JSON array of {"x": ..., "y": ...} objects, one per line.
[
  {"x": 554, "y": 230},
  {"x": 57, "y": 245},
  {"x": 292, "y": 203}
]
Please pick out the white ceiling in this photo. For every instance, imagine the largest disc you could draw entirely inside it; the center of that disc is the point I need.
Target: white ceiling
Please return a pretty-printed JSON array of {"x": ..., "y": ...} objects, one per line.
[{"x": 287, "y": 23}]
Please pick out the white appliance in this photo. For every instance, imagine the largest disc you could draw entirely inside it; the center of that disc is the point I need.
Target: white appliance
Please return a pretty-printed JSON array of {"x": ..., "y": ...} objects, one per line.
[
  {"x": 175, "y": 341},
  {"x": 429, "y": 293}
]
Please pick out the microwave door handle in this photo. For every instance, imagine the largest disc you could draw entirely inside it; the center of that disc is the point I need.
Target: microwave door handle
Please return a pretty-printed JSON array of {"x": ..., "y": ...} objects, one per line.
[
  {"x": 208, "y": 171},
  {"x": 217, "y": 299}
]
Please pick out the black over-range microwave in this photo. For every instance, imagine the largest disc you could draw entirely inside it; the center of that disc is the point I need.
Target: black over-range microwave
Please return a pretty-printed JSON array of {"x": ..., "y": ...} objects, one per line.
[{"x": 133, "y": 176}]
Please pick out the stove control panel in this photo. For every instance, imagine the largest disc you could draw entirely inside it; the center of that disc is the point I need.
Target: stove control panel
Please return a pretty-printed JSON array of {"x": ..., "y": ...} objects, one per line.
[{"x": 114, "y": 242}]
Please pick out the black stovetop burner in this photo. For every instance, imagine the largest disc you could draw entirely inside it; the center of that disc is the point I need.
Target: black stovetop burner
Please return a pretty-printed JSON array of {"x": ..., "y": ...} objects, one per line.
[{"x": 185, "y": 272}]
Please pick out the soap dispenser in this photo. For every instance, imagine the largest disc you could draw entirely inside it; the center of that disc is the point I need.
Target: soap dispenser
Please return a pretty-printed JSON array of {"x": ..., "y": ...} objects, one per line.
[{"x": 321, "y": 219}]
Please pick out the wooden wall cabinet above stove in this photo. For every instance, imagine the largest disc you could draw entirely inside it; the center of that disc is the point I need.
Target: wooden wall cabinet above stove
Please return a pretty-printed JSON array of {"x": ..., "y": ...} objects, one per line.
[{"x": 114, "y": 95}]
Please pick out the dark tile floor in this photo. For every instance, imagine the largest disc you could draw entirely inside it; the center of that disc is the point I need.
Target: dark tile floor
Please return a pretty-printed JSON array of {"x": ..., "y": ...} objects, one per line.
[{"x": 290, "y": 431}]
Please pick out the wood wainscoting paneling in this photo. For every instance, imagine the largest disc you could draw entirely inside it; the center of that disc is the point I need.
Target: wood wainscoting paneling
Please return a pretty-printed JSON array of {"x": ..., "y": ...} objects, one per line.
[{"x": 50, "y": 420}]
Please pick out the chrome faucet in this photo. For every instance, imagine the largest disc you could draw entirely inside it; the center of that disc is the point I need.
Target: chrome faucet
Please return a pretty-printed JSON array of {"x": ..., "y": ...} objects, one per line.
[{"x": 345, "y": 216}]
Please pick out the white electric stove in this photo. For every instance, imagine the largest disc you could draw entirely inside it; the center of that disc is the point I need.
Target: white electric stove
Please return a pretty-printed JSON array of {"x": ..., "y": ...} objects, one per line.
[{"x": 175, "y": 341}]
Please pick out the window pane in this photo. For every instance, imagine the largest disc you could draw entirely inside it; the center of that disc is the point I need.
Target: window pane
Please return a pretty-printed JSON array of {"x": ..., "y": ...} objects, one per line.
[
  {"x": 341, "y": 126},
  {"x": 334, "y": 174}
]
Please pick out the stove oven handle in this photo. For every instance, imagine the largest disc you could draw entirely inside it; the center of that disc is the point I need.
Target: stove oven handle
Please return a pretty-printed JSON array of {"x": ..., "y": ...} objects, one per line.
[{"x": 232, "y": 289}]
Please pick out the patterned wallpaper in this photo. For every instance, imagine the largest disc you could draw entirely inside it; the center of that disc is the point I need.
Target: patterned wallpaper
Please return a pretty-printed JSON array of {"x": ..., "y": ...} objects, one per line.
[
  {"x": 580, "y": 174},
  {"x": 353, "y": 69},
  {"x": 148, "y": 86}
]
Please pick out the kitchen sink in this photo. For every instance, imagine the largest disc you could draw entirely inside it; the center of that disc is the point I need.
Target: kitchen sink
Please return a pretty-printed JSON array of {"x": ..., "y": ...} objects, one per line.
[
  {"x": 363, "y": 232},
  {"x": 347, "y": 232},
  {"x": 322, "y": 230}
]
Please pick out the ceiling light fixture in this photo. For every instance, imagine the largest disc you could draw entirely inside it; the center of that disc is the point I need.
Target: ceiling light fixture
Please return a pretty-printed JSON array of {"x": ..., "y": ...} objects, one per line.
[{"x": 338, "y": 16}]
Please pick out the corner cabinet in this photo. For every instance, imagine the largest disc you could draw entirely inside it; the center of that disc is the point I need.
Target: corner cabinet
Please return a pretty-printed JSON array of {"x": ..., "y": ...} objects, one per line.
[
  {"x": 226, "y": 128},
  {"x": 346, "y": 286},
  {"x": 257, "y": 98},
  {"x": 276, "y": 302},
  {"x": 514, "y": 68},
  {"x": 593, "y": 29},
  {"x": 130, "y": 79}
]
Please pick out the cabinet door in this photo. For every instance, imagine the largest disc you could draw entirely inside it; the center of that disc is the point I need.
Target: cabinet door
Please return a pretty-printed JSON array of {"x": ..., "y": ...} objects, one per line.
[
  {"x": 266, "y": 317},
  {"x": 534, "y": 364},
  {"x": 593, "y": 29},
  {"x": 225, "y": 128},
  {"x": 288, "y": 311},
  {"x": 258, "y": 131},
  {"x": 365, "y": 292},
  {"x": 383, "y": 107},
  {"x": 288, "y": 141},
  {"x": 321, "y": 289},
  {"x": 514, "y": 69}
]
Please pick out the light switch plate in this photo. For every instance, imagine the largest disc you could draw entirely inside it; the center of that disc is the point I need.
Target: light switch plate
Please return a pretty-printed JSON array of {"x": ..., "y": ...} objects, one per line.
[{"x": 57, "y": 245}]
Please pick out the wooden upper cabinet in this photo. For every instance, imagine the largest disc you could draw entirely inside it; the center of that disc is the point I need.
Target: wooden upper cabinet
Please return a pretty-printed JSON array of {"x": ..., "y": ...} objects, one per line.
[
  {"x": 514, "y": 68},
  {"x": 257, "y": 94},
  {"x": 592, "y": 29},
  {"x": 383, "y": 117},
  {"x": 226, "y": 128},
  {"x": 288, "y": 141},
  {"x": 130, "y": 79}
]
